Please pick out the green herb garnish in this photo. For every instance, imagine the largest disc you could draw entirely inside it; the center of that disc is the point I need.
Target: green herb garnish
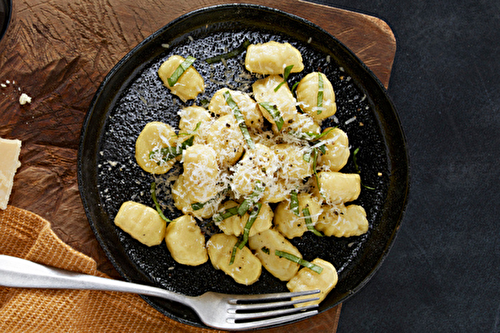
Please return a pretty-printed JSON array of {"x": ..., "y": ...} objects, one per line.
[
  {"x": 200, "y": 205},
  {"x": 198, "y": 124},
  {"x": 322, "y": 149},
  {"x": 230, "y": 54},
  {"x": 248, "y": 225},
  {"x": 315, "y": 161},
  {"x": 294, "y": 203},
  {"x": 157, "y": 205},
  {"x": 204, "y": 103},
  {"x": 250, "y": 201},
  {"x": 233, "y": 254},
  {"x": 227, "y": 213},
  {"x": 244, "y": 239},
  {"x": 309, "y": 224},
  {"x": 239, "y": 119},
  {"x": 288, "y": 69},
  {"x": 265, "y": 250},
  {"x": 310, "y": 136},
  {"x": 168, "y": 153},
  {"x": 297, "y": 260},
  {"x": 275, "y": 114},
  {"x": 320, "y": 93},
  {"x": 307, "y": 155},
  {"x": 180, "y": 70},
  {"x": 354, "y": 156}
]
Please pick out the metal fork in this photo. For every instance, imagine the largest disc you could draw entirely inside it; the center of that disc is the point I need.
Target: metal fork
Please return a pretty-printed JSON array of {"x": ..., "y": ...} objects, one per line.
[{"x": 216, "y": 310}]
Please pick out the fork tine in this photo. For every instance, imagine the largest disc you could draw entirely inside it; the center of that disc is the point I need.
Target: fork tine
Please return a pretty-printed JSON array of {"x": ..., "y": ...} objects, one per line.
[
  {"x": 275, "y": 296},
  {"x": 263, "y": 306},
  {"x": 267, "y": 314},
  {"x": 274, "y": 321}
]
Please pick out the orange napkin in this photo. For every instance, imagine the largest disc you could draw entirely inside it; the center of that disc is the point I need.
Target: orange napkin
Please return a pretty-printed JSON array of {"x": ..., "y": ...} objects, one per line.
[{"x": 26, "y": 235}]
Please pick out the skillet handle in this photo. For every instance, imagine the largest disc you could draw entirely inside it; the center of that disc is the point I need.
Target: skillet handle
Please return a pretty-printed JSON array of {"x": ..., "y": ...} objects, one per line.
[{"x": 21, "y": 273}]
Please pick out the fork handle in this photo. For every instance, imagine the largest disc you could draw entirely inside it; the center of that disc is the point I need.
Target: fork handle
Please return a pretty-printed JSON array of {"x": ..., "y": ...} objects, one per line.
[{"x": 21, "y": 273}]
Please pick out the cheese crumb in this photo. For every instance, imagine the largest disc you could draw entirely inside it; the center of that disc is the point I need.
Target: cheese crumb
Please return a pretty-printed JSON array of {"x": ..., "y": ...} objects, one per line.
[
  {"x": 9, "y": 163},
  {"x": 23, "y": 99}
]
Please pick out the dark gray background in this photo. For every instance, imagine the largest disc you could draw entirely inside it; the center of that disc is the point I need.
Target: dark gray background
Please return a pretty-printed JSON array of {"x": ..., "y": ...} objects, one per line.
[{"x": 443, "y": 272}]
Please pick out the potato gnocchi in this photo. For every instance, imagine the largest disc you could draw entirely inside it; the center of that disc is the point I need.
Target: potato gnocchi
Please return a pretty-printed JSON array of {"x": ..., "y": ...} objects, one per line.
[{"x": 258, "y": 165}]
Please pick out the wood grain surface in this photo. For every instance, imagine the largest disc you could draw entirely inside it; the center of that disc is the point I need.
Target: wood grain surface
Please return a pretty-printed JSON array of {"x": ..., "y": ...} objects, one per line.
[{"x": 58, "y": 52}]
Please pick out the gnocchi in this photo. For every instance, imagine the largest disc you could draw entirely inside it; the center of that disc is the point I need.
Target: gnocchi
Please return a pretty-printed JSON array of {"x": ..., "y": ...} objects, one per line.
[
  {"x": 248, "y": 107},
  {"x": 189, "y": 84},
  {"x": 200, "y": 172},
  {"x": 235, "y": 224},
  {"x": 342, "y": 221},
  {"x": 185, "y": 241},
  {"x": 141, "y": 222},
  {"x": 272, "y": 58},
  {"x": 316, "y": 97},
  {"x": 148, "y": 147},
  {"x": 337, "y": 187},
  {"x": 336, "y": 149},
  {"x": 245, "y": 269},
  {"x": 283, "y": 100},
  {"x": 306, "y": 279},
  {"x": 265, "y": 244},
  {"x": 291, "y": 224}
]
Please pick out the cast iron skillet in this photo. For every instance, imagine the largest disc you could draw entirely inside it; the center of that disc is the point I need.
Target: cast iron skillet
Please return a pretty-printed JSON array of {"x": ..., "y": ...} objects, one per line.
[
  {"x": 5, "y": 16},
  {"x": 132, "y": 95}
]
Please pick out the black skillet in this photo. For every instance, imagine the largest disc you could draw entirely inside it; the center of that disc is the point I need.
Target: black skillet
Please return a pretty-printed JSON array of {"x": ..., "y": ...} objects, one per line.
[{"x": 132, "y": 95}]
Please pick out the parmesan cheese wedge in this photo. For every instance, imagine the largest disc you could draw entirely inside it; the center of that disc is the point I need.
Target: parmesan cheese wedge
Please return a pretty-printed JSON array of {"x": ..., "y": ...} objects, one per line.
[{"x": 9, "y": 163}]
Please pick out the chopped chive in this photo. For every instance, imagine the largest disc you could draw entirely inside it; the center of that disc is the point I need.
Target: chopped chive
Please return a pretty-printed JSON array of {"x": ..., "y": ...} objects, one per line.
[
  {"x": 294, "y": 203},
  {"x": 309, "y": 224},
  {"x": 307, "y": 156},
  {"x": 180, "y": 70},
  {"x": 322, "y": 149},
  {"x": 240, "y": 49},
  {"x": 354, "y": 156},
  {"x": 248, "y": 225},
  {"x": 319, "y": 136},
  {"x": 251, "y": 199},
  {"x": 309, "y": 136},
  {"x": 233, "y": 254},
  {"x": 275, "y": 114},
  {"x": 168, "y": 153},
  {"x": 200, "y": 205},
  {"x": 367, "y": 187},
  {"x": 297, "y": 260},
  {"x": 198, "y": 124},
  {"x": 265, "y": 250},
  {"x": 315, "y": 161},
  {"x": 204, "y": 103},
  {"x": 239, "y": 119},
  {"x": 320, "y": 93},
  {"x": 295, "y": 86},
  {"x": 157, "y": 205},
  {"x": 244, "y": 239},
  {"x": 197, "y": 205},
  {"x": 227, "y": 213},
  {"x": 288, "y": 69}
]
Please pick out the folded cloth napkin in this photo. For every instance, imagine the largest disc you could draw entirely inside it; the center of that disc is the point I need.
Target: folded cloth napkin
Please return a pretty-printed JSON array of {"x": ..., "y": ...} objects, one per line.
[{"x": 26, "y": 235}]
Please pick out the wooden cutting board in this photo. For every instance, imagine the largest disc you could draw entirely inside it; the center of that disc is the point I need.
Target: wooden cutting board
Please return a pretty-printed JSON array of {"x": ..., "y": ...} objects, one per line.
[{"x": 58, "y": 52}]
